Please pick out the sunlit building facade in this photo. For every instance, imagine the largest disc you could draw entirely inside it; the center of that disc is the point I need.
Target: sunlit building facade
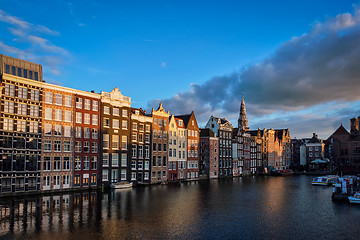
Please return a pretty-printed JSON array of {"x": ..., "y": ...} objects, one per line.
[{"x": 21, "y": 92}]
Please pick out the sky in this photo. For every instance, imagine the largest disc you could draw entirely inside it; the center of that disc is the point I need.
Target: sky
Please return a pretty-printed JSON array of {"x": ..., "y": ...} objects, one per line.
[{"x": 295, "y": 62}]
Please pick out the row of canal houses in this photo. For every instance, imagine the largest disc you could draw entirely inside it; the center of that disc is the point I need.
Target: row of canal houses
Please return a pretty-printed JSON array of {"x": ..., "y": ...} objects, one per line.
[
  {"x": 226, "y": 151},
  {"x": 57, "y": 138}
]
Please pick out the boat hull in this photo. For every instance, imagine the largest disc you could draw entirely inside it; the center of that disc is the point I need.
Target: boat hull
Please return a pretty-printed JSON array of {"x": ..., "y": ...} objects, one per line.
[
  {"x": 354, "y": 200},
  {"x": 121, "y": 185}
]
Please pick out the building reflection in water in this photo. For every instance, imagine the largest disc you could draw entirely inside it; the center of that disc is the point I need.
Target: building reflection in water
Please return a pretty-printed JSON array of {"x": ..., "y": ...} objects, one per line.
[{"x": 144, "y": 212}]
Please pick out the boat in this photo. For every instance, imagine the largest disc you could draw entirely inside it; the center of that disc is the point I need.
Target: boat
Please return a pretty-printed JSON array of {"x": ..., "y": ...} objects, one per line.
[
  {"x": 324, "y": 180},
  {"x": 355, "y": 198},
  {"x": 345, "y": 187},
  {"x": 121, "y": 185}
]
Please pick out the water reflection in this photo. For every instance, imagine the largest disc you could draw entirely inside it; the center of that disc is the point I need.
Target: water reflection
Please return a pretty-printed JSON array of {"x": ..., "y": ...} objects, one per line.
[{"x": 247, "y": 208}]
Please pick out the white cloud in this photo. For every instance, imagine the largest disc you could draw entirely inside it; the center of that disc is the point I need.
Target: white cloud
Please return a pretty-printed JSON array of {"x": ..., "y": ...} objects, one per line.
[
  {"x": 313, "y": 69},
  {"x": 35, "y": 47},
  {"x": 163, "y": 64}
]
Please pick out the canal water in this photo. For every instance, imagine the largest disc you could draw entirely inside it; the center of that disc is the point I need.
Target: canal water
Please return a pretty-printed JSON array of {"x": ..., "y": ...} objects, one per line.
[{"x": 239, "y": 208}]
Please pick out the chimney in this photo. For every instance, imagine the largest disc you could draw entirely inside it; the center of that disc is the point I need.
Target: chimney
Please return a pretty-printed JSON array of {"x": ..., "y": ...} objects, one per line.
[{"x": 92, "y": 91}]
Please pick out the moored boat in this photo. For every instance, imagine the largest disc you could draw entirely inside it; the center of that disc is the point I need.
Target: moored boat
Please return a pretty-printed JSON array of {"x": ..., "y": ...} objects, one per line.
[
  {"x": 121, "y": 185},
  {"x": 324, "y": 180},
  {"x": 355, "y": 198}
]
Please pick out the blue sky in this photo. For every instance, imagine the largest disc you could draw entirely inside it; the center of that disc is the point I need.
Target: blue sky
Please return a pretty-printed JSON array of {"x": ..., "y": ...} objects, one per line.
[{"x": 161, "y": 49}]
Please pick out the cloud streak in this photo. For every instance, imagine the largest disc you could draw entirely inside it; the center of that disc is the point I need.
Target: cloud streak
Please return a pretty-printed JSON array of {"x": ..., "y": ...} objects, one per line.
[
  {"x": 37, "y": 48},
  {"x": 315, "y": 68}
]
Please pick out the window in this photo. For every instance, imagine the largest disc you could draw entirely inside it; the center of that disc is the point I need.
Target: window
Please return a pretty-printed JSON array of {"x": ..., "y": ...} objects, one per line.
[
  {"x": 124, "y": 113},
  {"x": 105, "y": 159},
  {"x": 146, "y": 165},
  {"x": 57, "y": 146},
  {"x": 116, "y": 112},
  {"x": 58, "y": 99},
  {"x": 47, "y": 164},
  {"x": 123, "y": 174},
  {"x": 105, "y": 141},
  {"x": 34, "y": 95},
  {"x": 34, "y": 127},
  {"x": 78, "y": 117},
  {"x": 95, "y": 120},
  {"x": 8, "y": 107},
  {"x": 141, "y": 127},
  {"x": 147, "y": 138},
  {"x": 106, "y": 110},
  {"x": 94, "y": 133},
  {"x": 67, "y": 131},
  {"x": 34, "y": 111},
  {"x": 124, "y": 124},
  {"x": 13, "y": 70},
  {"x": 106, "y": 122},
  {"x": 94, "y": 147},
  {"x": 68, "y": 101},
  {"x": 57, "y": 163},
  {"x": 19, "y": 72},
  {"x": 140, "y": 165},
  {"x": 135, "y": 126},
  {"x": 48, "y": 113},
  {"x": 48, "y": 129},
  {"x": 123, "y": 159},
  {"x": 116, "y": 123},
  {"x": 57, "y": 130},
  {"x": 9, "y": 90},
  {"x": 36, "y": 75},
  {"x": 147, "y": 152},
  {"x": 87, "y": 132},
  {"x": 47, "y": 146},
  {"x": 115, "y": 159},
  {"x": 141, "y": 152},
  {"x": 67, "y": 146},
  {"x": 124, "y": 142},
  {"x": 94, "y": 162},
  {"x": 87, "y": 104},
  {"x": 86, "y": 162},
  {"x": 134, "y": 153},
  {"x": 67, "y": 116},
  {"x": 30, "y": 74},
  {"x": 79, "y": 103},
  {"x": 22, "y": 93},
  {"x": 115, "y": 142},
  {"x": 105, "y": 175},
  {"x": 133, "y": 164},
  {"x": 95, "y": 105},
  {"x": 164, "y": 161},
  {"x": 134, "y": 137},
  {"x": 86, "y": 147},
  {"x": 77, "y": 146},
  {"x": 77, "y": 163},
  {"x": 147, "y": 128},
  {"x": 25, "y": 73},
  {"x": 78, "y": 132},
  {"x": 21, "y": 126},
  {"x": 7, "y": 69},
  {"x": 86, "y": 118}
]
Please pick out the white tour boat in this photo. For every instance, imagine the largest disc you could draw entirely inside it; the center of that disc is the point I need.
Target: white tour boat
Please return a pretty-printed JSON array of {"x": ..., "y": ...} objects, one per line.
[
  {"x": 121, "y": 185},
  {"x": 324, "y": 180}
]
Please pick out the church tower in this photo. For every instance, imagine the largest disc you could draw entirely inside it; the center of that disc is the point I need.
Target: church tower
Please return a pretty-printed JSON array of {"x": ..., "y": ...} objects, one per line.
[{"x": 243, "y": 122}]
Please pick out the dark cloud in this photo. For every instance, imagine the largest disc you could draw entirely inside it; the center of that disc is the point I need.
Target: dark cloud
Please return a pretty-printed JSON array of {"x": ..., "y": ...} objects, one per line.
[{"x": 315, "y": 68}]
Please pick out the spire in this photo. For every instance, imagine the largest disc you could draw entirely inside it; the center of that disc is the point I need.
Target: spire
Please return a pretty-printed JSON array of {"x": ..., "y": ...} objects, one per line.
[{"x": 243, "y": 122}]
